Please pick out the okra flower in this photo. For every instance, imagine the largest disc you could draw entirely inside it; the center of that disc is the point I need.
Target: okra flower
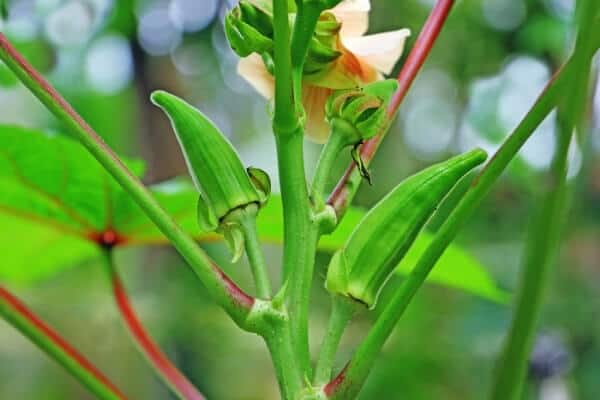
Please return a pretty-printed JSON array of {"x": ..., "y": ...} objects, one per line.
[{"x": 359, "y": 59}]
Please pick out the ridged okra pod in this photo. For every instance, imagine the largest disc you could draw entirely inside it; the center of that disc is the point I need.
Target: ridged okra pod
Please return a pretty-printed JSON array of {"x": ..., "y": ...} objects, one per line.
[
  {"x": 361, "y": 268},
  {"x": 227, "y": 189}
]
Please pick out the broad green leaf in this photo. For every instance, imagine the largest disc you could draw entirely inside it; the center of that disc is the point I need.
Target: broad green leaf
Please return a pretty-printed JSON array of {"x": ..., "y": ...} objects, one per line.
[
  {"x": 54, "y": 197},
  {"x": 31, "y": 251}
]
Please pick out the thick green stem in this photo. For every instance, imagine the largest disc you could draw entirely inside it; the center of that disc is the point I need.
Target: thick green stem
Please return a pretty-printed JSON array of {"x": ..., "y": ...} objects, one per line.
[
  {"x": 44, "y": 337},
  {"x": 351, "y": 379},
  {"x": 342, "y": 311},
  {"x": 224, "y": 291},
  {"x": 298, "y": 251},
  {"x": 284, "y": 360},
  {"x": 299, "y": 240},
  {"x": 285, "y": 121},
  {"x": 161, "y": 364},
  {"x": 255, "y": 256}
]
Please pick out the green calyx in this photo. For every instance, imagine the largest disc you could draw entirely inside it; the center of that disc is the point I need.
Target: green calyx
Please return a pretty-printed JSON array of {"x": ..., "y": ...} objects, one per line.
[
  {"x": 249, "y": 29},
  {"x": 226, "y": 187},
  {"x": 359, "y": 114},
  {"x": 362, "y": 267},
  {"x": 323, "y": 48}
]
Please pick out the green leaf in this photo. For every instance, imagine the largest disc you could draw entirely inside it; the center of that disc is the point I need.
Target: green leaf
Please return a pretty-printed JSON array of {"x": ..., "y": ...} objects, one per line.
[
  {"x": 31, "y": 251},
  {"x": 56, "y": 201},
  {"x": 54, "y": 197}
]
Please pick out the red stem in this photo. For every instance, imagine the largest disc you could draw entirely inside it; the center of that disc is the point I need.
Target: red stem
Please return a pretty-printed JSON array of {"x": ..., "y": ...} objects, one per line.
[
  {"x": 50, "y": 334},
  {"x": 343, "y": 192},
  {"x": 159, "y": 360},
  {"x": 420, "y": 51}
]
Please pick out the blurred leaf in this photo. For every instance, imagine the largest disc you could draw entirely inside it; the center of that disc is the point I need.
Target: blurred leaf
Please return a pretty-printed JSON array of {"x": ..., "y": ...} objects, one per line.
[
  {"x": 3, "y": 9},
  {"x": 543, "y": 34},
  {"x": 57, "y": 199}
]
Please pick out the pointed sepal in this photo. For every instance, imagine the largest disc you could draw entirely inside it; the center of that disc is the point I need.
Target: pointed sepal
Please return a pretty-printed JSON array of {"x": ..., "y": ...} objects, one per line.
[{"x": 262, "y": 183}]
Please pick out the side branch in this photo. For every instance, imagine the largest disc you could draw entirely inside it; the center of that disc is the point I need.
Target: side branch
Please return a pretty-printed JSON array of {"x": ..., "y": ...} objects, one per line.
[{"x": 46, "y": 338}]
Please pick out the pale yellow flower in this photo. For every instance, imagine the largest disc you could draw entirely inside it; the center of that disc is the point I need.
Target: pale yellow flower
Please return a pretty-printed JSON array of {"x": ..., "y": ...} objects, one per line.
[{"x": 364, "y": 59}]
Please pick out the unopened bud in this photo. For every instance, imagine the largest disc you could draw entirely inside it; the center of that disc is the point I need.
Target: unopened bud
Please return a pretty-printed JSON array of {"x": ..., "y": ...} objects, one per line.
[
  {"x": 360, "y": 113},
  {"x": 249, "y": 29}
]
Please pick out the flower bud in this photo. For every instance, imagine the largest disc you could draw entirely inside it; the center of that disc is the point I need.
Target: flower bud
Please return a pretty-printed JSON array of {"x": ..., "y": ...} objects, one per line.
[
  {"x": 359, "y": 114},
  {"x": 323, "y": 49},
  {"x": 361, "y": 268},
  {"x": 249, "y": 29},
  {"x": 226, "y": 187}
]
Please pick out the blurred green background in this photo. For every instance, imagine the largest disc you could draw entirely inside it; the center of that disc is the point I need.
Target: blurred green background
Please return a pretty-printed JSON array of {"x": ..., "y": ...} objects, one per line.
[{"x": 491, "y": 61}]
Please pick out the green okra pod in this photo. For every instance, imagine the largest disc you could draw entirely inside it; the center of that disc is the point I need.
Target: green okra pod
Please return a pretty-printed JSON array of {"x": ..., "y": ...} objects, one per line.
[
  {"x": 226, "y": 187},
  {"x": 361, "y": 268}
]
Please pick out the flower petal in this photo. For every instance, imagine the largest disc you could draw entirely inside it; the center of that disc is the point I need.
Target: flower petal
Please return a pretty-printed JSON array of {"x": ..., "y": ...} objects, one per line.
[
  {"x": 314, "y": 98},
  {"x": 354, "y": 16},
  {"x": 381, "y": 50},
  {"x": 253, "y": 70}
]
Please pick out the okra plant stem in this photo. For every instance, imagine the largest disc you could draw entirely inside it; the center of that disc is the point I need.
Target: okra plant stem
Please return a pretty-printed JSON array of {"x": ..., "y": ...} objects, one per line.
[
  {"x": 256, "y": 257},
  {"x": 299, "y": 245},
  {"x": 299, "y": 241},
  {"x": 330, "y": 153},
  {"x": 223, "y": 290},
  {"x": 44, "y": 337},
  {"x": 342, "y": 311},
  {"x": 283, "y": 356},
  {"x": 350, "y": 381},
  {"x": 163, "y": 367},
  {"x": 306, "y": 21}
]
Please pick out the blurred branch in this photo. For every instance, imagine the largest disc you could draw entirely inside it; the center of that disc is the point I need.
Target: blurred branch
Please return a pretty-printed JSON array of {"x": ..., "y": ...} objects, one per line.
[
  {"x": 543, "y": 240},
  {"x": 344, "y": 192},
  {"x": 31, "y": 326},
  {"x": 180, "y": 385}
]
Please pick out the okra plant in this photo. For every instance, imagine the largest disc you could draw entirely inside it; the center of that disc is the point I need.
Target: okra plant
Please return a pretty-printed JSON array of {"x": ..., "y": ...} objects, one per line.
[{"x": 325, "y": 80}]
